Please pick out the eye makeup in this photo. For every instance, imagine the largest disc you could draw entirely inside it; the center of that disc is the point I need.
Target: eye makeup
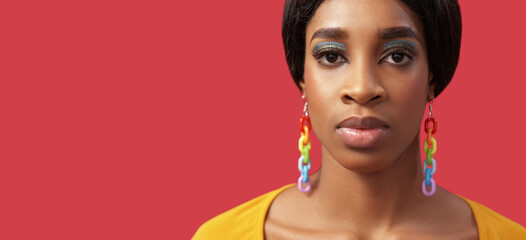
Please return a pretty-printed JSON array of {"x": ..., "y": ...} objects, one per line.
[
  {"x": 320, "y": 47},
  {"x": 400, "y": 44}
]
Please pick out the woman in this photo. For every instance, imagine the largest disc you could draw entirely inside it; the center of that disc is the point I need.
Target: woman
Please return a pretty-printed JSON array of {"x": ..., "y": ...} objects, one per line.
[{"x": 367, "y": 71}]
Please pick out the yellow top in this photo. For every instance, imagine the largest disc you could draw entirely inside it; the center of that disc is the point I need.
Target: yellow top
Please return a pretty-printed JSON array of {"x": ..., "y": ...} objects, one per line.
[{"x": 247, "y": 220}]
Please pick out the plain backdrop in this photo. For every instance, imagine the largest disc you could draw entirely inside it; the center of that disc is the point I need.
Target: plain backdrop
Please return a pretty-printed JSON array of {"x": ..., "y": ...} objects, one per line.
[{"x": 143, "y": 119}]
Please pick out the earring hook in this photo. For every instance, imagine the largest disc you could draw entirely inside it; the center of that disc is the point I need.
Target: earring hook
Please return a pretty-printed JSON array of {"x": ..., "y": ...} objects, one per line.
[{"x": 430, "y": 108}]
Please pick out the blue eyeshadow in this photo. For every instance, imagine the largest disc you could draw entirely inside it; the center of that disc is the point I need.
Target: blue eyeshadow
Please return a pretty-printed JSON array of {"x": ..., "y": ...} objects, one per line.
[
  {"x": 405, "y": 42},
  {"x": 325, "y": 43}
]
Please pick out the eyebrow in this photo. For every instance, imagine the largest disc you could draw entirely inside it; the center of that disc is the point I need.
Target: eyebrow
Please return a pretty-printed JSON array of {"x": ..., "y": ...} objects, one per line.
[
  {"x": 398, "y": 32},
  {"x": 386, "y": 33},
  {"x": 333, "y": 33}
]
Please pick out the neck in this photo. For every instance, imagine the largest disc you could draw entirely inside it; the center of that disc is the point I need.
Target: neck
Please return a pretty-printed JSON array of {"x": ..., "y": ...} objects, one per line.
[{"x": 369, "y": 200}]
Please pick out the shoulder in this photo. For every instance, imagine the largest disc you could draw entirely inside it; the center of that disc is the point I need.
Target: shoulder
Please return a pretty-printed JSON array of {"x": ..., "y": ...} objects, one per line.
[
  {"x": 493, "y": 225},
  {"x": 245, "y": 221}
]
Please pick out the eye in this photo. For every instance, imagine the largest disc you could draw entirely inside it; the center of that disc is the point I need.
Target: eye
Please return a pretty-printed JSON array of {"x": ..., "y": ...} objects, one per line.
[
  {"x": 331, "y": 59},
  {"x": 330, "y": 54},
  {"x": 398, "y": 58}
]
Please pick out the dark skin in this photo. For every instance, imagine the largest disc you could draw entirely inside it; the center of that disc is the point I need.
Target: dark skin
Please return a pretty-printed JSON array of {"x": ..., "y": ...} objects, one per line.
[{"x": 373, "y": 192}]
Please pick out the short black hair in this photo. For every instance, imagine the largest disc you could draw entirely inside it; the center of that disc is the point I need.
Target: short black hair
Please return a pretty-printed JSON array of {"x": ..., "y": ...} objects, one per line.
[{"x": 442, "y": 28}]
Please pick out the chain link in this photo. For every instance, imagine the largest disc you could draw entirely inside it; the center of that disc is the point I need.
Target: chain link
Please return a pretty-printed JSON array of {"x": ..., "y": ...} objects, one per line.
[
  {"x": 304, "y": 146},
  {"x": 430, "y": 148}
]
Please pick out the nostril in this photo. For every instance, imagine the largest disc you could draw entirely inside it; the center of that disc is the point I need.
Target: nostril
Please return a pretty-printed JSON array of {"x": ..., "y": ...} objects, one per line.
[
  {"x": 348, "y": 97},
  {"x": 362, "y": 92}
]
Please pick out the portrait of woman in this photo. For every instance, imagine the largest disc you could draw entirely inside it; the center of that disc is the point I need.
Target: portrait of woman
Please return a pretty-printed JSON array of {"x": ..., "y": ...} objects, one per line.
[
  {"x": 291, "y": 119},
  {"x": 369, "y": 73}
]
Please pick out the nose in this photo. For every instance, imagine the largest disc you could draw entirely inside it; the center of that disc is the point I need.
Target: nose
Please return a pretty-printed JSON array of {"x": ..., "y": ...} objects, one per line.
[{"x": 362, "y": 85}]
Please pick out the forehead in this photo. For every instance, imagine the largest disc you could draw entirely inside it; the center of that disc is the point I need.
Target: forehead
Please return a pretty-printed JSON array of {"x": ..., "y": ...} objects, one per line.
[{"x": 362, "y": 16}]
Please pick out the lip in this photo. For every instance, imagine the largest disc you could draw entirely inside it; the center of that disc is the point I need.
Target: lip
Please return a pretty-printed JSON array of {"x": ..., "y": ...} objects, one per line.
[{"x": 362, "y": 132}]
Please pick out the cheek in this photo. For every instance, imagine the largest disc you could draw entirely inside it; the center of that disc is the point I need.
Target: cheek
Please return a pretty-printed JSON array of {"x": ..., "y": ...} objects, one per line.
[
  {"x": 416, "y": 88},
  {"x": 317, "y": 87},
  {"x": 322, "y": 85},
  {"x": 413, "y": 92},
  {"x": 320, "y": 96},
  {"x": 409, "y": 99},
  {"x": 316, "y": 82}
]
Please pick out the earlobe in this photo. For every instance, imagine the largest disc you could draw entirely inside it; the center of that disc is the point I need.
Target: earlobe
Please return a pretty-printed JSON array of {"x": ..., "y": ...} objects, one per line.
[{"x": 302, "y": 85}]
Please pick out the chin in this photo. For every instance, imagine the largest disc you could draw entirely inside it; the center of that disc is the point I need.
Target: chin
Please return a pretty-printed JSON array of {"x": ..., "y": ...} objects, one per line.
[
  {"x": 365, "y": 163},
  {"x": 363, "y": 160}
]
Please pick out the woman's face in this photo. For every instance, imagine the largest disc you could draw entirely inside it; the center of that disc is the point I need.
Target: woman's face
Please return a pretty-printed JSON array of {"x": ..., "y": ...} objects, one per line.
[{"x": 366, "y": 81}]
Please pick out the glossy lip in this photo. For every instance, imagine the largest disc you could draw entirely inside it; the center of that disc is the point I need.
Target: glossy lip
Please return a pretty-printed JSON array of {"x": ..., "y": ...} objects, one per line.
[{"x": 362, "y": 132}]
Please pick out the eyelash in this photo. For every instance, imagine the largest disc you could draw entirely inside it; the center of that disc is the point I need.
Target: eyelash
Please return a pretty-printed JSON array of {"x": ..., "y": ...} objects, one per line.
[
  {"x": 319, "y": 54},
  {"x": 406, "y": 52}
]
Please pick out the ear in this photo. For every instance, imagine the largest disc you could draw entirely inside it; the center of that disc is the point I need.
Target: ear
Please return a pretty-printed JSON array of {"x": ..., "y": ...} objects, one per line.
[
  {"x": 302, "y": 85},
  {"x": 432, "y": 85}
]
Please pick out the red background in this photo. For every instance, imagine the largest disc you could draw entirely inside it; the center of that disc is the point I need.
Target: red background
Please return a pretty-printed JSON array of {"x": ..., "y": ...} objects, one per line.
[{"x": 143, "y": 119}]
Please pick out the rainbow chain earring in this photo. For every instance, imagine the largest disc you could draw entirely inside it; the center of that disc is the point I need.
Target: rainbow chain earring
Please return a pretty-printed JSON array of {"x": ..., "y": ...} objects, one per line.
[
  {"x": 304, "y": 146},
  {"x": 430, "y": 148}
]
